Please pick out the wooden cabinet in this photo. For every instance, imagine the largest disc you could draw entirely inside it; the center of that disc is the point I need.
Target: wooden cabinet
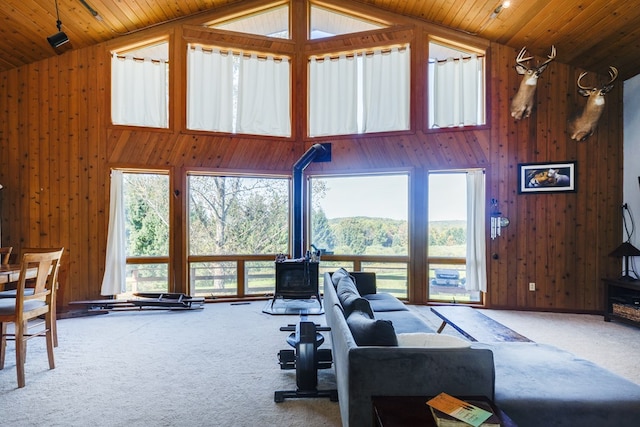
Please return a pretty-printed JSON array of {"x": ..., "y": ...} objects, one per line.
[{"x": 622, "y": 299}]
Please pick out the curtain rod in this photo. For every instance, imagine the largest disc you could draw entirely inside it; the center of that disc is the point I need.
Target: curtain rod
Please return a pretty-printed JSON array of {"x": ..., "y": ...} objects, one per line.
[
  {"x": 238, "y": 52},
  {"x": 332, "y": 57}
]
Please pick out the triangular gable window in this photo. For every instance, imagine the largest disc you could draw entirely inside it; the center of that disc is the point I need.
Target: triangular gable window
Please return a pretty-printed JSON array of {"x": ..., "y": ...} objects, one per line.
[
  {"x": 273, "y": 22},
  {"x": 327, "y": 23}
]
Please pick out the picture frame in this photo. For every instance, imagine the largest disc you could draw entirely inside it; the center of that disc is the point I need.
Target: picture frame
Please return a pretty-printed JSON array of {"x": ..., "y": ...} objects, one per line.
[{"x": 557, "y": 177}]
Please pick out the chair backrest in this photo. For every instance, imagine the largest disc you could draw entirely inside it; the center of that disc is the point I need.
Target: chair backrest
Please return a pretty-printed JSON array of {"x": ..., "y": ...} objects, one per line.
[
  {"x": 47, "y": 265},
  {"x": 5, "y": 253}
]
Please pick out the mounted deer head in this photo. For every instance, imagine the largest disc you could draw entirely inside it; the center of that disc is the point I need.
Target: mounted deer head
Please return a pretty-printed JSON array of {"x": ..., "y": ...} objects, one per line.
[
  {"x": 522, "y": 102},
  {"x": 583, "y": 125}
]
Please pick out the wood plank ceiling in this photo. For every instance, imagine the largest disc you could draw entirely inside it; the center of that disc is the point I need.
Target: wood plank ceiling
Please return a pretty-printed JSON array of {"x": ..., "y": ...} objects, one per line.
[{"x": 588, "y": 34}]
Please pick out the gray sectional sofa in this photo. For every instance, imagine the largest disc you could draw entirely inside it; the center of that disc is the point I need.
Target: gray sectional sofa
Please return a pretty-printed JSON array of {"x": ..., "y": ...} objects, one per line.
[{"x": 536, "y": 385}]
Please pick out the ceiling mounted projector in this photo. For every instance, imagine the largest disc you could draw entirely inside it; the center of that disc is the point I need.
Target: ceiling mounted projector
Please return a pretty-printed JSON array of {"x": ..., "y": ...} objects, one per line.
[{"x": 58, "y": 39}]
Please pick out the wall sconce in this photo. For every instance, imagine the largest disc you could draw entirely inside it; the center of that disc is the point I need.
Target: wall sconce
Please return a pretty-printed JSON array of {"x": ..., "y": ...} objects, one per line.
[{"x": 498, "y": 222}]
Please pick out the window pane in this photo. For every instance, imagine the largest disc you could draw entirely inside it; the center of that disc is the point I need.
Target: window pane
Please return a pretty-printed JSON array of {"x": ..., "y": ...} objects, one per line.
[
  {"x": 456, "y": 87},
  {"x": 140, "y": 86},
  {"x": 446, "y": 284},
  {"x": 147, "y": 214},
  {"x": 360, "y": 215},
  {"x": 447, "y": 215},
  {"x": 147, "y": 278},
  {"x": 238, "y": 215},
  {"x": 259, "y": 277},
  {"x": 327, "y": 23},
  {"x": 448, "y": 237},
  {"x": 391, "y": 277},
  {"x": 213, "y": 279},
  {"x": 238, "y": 92},
  {"x": 359, "y": 92},
  {"x": 272, "y": 22}
]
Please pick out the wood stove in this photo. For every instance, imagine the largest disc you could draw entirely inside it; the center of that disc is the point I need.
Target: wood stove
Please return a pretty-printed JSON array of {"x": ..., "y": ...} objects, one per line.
[{"x": 297, "y": 279}]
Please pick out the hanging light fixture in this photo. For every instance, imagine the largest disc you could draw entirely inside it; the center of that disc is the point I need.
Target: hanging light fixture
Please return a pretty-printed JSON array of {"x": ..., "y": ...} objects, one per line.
[{"x": 60, "y": 37}]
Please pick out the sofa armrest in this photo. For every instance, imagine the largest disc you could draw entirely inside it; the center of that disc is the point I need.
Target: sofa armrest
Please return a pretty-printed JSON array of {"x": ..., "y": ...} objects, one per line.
[{"x": 410, "y": 371}]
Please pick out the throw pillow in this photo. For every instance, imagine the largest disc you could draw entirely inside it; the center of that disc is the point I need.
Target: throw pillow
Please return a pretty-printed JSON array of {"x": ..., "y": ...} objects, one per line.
[
  {"x": 353, "y": 303},
  {"x": 371, "y": 332},
  {"x": 431, "y": 340}
]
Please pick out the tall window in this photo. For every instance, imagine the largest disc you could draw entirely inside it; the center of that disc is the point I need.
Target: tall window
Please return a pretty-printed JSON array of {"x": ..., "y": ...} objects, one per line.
[
  {"x": 456, "y": 80},
  {"x": 140, "y": 86},
  {"x": 231, "y": 215},
  {"x": 237, "y": 92},
  {"x": 362, "y": 92},
  {"x": 146, "y": 201},
  {"x": 365, "y": 215},
  {"x": 451, "y": 219}
]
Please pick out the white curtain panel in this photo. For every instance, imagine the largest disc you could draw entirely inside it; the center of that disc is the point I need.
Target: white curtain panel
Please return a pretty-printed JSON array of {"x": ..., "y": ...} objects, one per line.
[
  {"x": 209, "y": 90},
  {"x": 333, "y": 96},
  {"x": 456, "y": 87},
  {"x": 115, "y": 271},
  {"x": 476, "y": 240},
  {"x": 386, "y": 90},
  {"x": 139, "y": 92},
  {"x": 263, "y": 96}
]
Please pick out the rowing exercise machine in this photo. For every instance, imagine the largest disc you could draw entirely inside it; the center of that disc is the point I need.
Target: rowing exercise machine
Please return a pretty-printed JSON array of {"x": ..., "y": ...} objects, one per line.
[{"x": 306, "y": 359}]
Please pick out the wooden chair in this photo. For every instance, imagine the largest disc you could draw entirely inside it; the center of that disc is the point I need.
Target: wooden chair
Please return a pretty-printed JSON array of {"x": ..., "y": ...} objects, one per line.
[
  {"x": 5, "y": 253},
  {"x": 23, "y": 308},
  {"x": 54, "y": 325}
]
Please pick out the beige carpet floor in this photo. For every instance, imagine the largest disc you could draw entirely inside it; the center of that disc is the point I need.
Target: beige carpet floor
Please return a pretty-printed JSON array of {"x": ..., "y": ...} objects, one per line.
[{"x": 219, "y": 367}]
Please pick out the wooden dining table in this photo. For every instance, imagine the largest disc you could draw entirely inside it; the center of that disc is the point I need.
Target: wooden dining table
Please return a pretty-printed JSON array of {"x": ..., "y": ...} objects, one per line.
[{"x": 10, "y": 273}]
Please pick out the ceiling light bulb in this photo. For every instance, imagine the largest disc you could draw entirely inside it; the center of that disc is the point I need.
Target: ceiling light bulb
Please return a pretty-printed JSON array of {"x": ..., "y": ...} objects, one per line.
[{"x": 506, "y": 4}]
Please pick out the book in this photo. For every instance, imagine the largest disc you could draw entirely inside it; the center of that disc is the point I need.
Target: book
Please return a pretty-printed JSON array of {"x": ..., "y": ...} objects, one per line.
[{"x": 449, "y": 411}]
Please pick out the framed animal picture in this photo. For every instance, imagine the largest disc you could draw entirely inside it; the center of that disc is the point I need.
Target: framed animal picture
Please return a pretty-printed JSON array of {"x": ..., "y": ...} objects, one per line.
[{"x": 546, "y": 177}]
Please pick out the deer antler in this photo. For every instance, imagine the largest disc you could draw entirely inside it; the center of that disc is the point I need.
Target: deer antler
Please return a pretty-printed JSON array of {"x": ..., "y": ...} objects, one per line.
[
  {"x": 613, "y": 73},
  {"x": 584, "y": 73},
  {"x": 551, "y": 56},
  {"x": 520, "y": 58}
]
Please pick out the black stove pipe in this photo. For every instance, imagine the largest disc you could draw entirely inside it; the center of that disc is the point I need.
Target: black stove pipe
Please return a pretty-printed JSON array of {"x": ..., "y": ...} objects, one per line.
[{"x": 298, "y": 205}]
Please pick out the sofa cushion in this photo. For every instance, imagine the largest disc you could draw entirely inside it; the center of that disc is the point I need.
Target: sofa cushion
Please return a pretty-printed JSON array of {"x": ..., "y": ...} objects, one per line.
[
  {"x": 371, "y": 332},
  {"x": 404, "y": 321},
  {"x": 359, "y": 304},
  {"x": 431, "y": 340},
  {"x": 385, "y": 302},
  {"x": 348, "y": 295},
  {"x": 541, "y": 385},
  {"x": 338, "y": 275}
]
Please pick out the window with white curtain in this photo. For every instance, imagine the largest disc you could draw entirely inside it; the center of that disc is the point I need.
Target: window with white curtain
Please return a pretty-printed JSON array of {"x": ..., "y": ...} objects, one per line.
[
  {"x": 140, "y": 86},
  {"x": 456, "y": 80},
  {"x": 456, "y": 248},
  {"x": 237, "y": 92},
  {"x": 362, "y": 92}
]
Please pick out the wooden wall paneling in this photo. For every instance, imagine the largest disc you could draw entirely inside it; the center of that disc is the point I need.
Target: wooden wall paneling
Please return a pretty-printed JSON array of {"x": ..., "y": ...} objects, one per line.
[
  {"x": 41, "y": 136},
  {"x": 78, "y": 275},
  {"x": 34, "y": 151},
  {"x": 23, "y": 144},
  {"x": 583, "y": 239},
  {"x": 497, "y": 177},
  {"x": 16, "y": 176},
  {"x": 88, "y": 137}
]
